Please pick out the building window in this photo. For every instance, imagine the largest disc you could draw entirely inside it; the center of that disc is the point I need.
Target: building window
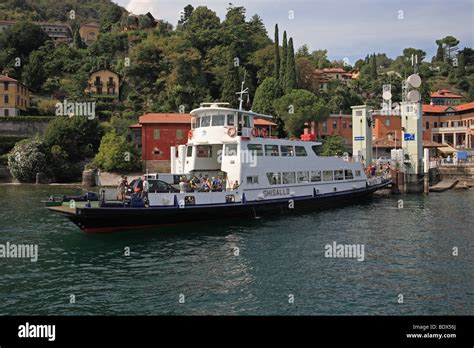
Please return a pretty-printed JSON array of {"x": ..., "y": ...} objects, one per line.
[
  {"x": 5, "y": 85},
  {"x": 287, "y": 151},
  {"x": 427, "y": 125},
  {"x": 274, "y": 178},
  {"x": 350, "y": 124},
  {"x": 435, "y": 124},
  {"x": 303, "y": 177},
  {"x": 300, "y": 151},
  {"x": 334, "y": 124},
  {"x": 387, "y": 122},
  {"x": 328, "y": 175},
  {"x": 344, "y": 124},
  {"x": 325, "y": 126},
  {"x": 179, "y": 134},
  {"x": 7, "y": 112},
  {"x": 288, "y": 177},
  {"x": 255, "y": 149},
  {"x": 271, "y": 150},
  {"x": 156, "y": 134},
  {"x": 5, "y": 98},
  {"x": 316, "y": 176}
]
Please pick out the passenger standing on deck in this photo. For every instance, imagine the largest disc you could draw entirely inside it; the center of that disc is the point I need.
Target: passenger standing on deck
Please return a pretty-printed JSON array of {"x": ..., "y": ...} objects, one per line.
[
  {"x": 121, "y": 189},
  {"x": 146, "y": 188}
]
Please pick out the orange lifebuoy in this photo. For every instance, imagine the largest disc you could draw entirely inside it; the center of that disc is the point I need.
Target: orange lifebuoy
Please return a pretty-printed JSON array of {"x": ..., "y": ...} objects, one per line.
[
  {"x": 254, "y": 132},
  {"x": 232, "y": 132},
  {"x": 190, "y": 134}
]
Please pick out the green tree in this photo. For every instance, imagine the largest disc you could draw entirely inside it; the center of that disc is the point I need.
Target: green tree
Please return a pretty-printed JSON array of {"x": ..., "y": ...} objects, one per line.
[
  {"x": 439, "y": 52},
  {"x": 373, "y": 67},
  {"x": 265, "y": 96},
  {"x": 298, "y": 107},
  {"x": 33, "y": 73},
  {"x": 185, "y": 16},
  {"x": 78, "y": 43},
  {"x": 203, "y": 28},
  {"x": 27, "y": 158},
  {"x": 284, "y": 57},
  {"x": 290, "y": 75},
  {"x": 117, "y": 154},
  {"x": 276, "y": 73},
  {"x": 333, "y": 146}
]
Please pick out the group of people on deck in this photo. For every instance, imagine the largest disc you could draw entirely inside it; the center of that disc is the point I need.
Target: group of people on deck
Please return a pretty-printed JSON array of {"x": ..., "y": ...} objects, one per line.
[
  {"x": 140, "y": 189},
  {"x": 213, "y": 184}
]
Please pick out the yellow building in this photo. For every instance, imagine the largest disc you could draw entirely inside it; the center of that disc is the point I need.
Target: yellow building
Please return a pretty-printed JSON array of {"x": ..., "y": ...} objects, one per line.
[
  {"x": 89, "y": 32},
  {"x": 14, "y": 97},
  {"x": 104, "y": 82}
]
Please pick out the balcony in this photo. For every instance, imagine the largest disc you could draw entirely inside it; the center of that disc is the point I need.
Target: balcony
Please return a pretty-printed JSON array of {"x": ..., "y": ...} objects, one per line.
[
  {"x": 111, "y": 84},
  {"x": 98, "y": 83},
  {"x": 450, "y": 130}
]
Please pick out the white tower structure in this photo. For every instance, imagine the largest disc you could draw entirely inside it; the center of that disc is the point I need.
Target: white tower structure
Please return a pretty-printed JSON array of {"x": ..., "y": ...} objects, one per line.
[{"x": 362, "y": 134}]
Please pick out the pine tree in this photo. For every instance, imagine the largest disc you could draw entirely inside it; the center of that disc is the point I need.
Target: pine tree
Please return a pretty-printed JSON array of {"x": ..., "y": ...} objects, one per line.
[
  {"x": 460, "y": 71},
  {"x": 231, "y": 84},
  {"x": 277, "y": 54},
  {"x": 290, "y": 75},
  {"x": 373, "y": 67},
  {"x": 440, "y": 53},
  {"x": 284, "y": 55},
  {"x": 78, "y": 40}
]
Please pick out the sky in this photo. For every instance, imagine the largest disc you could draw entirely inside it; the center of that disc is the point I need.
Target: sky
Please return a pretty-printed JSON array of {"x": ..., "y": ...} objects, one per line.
[{"x": 348, "y": 29}]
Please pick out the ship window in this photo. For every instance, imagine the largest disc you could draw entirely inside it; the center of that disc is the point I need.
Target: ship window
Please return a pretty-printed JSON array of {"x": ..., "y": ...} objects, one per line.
[
  {"x": 348, "y": 174},
  {"x": 252, "y": 179},
  {"x": 205, "y": 121},
  {"x": 247, "y": 121},
  {"x": 218, "y": 120},
  {"x": 189, "y": 151},
  {"x": 338, "y": 175},
  {"x": 231, "y": 150},
  {"x": 271, "y": 150},
  {"x": 357, "y": 172},
  {"x": 286, "y": 150},
  {"x": 303, "y": 177},
  {"x": 230, "y": 119},
  {"x": 316, "y": 176},
  {"x": 316, "y": 149},
  {"x": 288, "y": 177},
  {"x": 255, "y": 149},
  {"x": 194, "y": 123},
  {"x": 204, "y": 151},
  {"x": 300, "y": 151},
  {"x": 230, "y": 199},
  {"x": 274, "y": 178},
  {"x": 328, "y": 175},
  {"x": 189, "y": 200}
]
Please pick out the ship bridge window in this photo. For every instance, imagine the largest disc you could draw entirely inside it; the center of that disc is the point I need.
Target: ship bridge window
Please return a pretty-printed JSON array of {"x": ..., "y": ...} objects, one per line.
[
  {"x": 348, "y": 174},
  {"x": 274, "y": 178},
  {"x": 357, "y": 172},
  {"x": 272, "y": 150},
  {"x": 338, "y": 175},
  {"x": 316, "y": 176},
  {"x": 205, "y": 121},
  {"x": 288, "y": 177},
  {"x": 252, "y": 179},
  {"x": 316, "y": 149},
  {"x": 328, "y": 175},
  {"x": 287, "y": 151},
  {"x": 230, "y": 119},
  {"x": 247, "y": 121},
  {"x": 230, "y": 150},
  {"x": 204, "y": 151},
  {"x": 194, "y": 123},
  {"x": 218, "y": 120},
  {"x": 300, "y": 151},
  {"x": 303, "y": 177},
  {"x": 255, "y": 149},
  {"x": 189, "y": 151}
]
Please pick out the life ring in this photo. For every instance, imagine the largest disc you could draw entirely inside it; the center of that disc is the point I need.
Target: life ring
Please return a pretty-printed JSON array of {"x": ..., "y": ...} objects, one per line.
[
  {"x": 232, "y": 132},
  {"x": 263, "y": 133},
  {"x": 190, "y": 134},
  {"x": 254, "y": 132}
]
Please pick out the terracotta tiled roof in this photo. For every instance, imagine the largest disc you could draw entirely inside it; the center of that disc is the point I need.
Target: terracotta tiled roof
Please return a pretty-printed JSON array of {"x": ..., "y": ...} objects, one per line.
[
  {"x": 6, "y": 78},
  {"x": 165, "y": 118},
  {"x": 444, "y": 93},
  {"x": 136, "y": 125},
  {"x": 260, "y": 122},
  {"x": 442, "y": 108},
  {"x": 434, "y": 108},
  {"x": 463, "y": 107}
]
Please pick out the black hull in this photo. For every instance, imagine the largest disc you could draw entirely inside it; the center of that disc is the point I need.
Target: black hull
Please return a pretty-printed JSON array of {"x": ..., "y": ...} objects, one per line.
[{"x": 100, "y": 220}]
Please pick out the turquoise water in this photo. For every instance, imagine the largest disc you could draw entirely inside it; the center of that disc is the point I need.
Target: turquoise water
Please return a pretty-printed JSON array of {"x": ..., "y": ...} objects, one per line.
[{"x": 407, "y": 251}]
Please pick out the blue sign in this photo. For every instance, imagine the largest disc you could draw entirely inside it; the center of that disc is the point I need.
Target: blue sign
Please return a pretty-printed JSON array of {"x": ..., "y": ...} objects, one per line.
[
  {"x": 409, "y": 136},
  {"x": 462, "y": 155},
  {"x": 359, "y": 138}
]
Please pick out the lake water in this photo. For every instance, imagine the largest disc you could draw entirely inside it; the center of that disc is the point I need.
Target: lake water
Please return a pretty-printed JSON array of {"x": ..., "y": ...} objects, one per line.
[{"x": 407, "y": 252}]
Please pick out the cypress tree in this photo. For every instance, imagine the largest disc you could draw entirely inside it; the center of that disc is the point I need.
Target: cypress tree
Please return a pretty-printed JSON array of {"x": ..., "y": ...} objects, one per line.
[
  {"x": 78, "y": 40},
  {"x": 277, "y": 54},
  {"x": 284, "y": 55},
  {"x": 290, "y": 75},
  {"x": 373, "y": 67}
]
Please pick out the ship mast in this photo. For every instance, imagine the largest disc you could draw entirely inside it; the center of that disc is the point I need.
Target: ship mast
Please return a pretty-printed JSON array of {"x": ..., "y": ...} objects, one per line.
[{"x": 242, "y": 92}]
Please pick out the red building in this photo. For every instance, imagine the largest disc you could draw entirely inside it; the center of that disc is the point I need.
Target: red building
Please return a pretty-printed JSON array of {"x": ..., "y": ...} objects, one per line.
[{"x": 156, "y": 133}]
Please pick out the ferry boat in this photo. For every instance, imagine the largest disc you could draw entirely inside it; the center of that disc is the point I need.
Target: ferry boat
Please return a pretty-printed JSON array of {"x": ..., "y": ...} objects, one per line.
[{"x": 262, "y": 176}]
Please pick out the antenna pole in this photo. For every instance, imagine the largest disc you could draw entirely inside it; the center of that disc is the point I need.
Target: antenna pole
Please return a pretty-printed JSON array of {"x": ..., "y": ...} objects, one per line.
[{"x": 242, "y": 92}]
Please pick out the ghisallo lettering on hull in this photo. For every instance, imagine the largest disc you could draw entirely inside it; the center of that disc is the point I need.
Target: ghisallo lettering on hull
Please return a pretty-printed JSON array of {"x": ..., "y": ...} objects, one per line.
[{"x": 276, "y": 192}]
